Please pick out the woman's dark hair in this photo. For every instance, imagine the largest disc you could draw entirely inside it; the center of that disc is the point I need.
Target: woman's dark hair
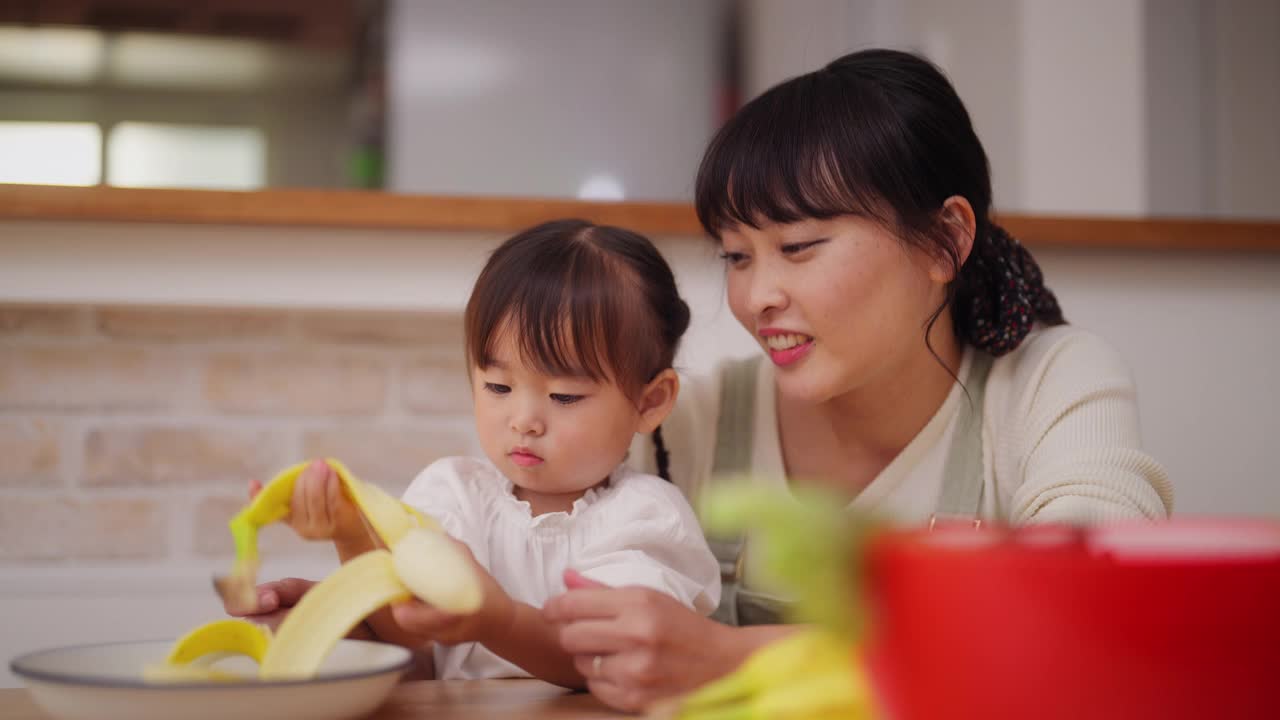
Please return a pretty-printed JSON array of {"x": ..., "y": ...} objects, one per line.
[
  {"x": 581, "y": 299},
  {"x": 879, "y": 134}
]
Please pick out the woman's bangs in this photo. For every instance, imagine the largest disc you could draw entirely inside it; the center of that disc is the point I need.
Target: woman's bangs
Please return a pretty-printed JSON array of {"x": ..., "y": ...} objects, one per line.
[{"x": 777, "y": 161}]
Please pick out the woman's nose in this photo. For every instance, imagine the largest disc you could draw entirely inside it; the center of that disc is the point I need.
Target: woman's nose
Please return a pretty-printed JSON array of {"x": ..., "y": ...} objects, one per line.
[{"x": 765, "y": 292}]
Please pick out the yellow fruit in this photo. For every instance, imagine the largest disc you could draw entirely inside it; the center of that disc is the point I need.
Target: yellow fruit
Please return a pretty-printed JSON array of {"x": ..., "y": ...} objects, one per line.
[
  {"x": 422, "y": 562},
  {"x": 328, "y": 612},
  {"x": 239, "y": 637},
  {"x": 388, "y": 517},
  {"x": 437, "y": 571},
  {"x": 808, "y": 674}
]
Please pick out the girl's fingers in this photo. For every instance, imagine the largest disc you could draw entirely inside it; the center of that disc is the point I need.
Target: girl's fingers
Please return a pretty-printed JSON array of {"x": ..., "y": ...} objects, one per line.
[
  {"x": 594, "y": 637},
  {"x": 255, "y": 487},
  {"x": 417, "y": 618},
  {"x": 313, "y": 480}
]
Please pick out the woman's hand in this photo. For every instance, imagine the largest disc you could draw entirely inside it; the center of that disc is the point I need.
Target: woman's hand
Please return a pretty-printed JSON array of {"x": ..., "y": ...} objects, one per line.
[
  {"x": 319, "y": 509},
  {"x": 649, "y": 645}
]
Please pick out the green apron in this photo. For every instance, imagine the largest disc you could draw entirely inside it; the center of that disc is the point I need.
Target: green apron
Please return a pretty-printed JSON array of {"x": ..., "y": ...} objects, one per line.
[{"x": 961, "y": 497}]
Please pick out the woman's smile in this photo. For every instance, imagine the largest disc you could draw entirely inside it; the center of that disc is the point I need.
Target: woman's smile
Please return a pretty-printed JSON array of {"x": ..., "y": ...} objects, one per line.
[{"x": 786, "y": 347}]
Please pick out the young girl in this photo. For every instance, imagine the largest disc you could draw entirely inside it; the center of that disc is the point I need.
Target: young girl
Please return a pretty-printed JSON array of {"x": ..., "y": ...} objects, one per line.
[
  {"x": 571, "y": 330},
  {"x": 913, "y": 361}
]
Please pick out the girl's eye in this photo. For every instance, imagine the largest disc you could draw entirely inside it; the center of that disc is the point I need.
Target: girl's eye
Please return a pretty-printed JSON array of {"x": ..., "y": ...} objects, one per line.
[
  {"x": 497, "y": 389},
  {"x": 733, "y": 258},
  {"x": 564, "y": 399},
  {"x": 797, "y": 248}
]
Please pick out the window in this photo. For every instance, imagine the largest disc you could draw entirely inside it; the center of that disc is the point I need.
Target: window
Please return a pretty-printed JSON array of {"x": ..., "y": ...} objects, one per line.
[
  {"x": 50, "y": 153},
  {"x": 186, "y": 156}
]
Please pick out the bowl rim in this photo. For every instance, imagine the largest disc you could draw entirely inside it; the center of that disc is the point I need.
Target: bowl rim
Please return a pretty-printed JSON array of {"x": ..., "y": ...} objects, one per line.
[{"x": 82, "y": 680}]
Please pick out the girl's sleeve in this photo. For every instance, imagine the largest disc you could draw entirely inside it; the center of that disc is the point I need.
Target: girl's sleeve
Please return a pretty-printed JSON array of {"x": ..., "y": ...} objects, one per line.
[
  {"x": 1075, "y": 440},
  {"x": 441, "y": 492},
  {"x": 648, "y": 536}
]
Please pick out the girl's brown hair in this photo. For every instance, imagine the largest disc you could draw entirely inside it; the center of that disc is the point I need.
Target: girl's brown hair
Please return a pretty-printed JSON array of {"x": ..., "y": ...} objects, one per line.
[{"x": 581, "y": 300}]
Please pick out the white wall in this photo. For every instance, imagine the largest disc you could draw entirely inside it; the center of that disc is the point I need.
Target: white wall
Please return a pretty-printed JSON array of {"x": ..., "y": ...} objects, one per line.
[
  {"x": 538, "y": 98},
  {"x": 1165, "y": 107}
]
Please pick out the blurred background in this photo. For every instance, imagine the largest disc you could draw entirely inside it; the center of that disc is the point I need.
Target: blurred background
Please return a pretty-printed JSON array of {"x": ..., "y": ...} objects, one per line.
[
  {"x": 148, "y": 367},
  {"x": 1133, "y": 107}
]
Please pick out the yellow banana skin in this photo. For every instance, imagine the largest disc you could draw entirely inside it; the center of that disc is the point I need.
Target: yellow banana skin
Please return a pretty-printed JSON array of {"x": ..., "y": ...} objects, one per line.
[
  {"x": 328, "y": 612},
  {"x": 388, "y": 517},
  {"x": 422, "y": 562},
  {"x": 809, "y": 674},
  {"x": 222, "y": 636}
]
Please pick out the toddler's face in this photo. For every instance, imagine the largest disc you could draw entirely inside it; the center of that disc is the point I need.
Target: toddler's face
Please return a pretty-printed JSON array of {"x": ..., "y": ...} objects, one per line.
[{"x": 554, "y": 437}]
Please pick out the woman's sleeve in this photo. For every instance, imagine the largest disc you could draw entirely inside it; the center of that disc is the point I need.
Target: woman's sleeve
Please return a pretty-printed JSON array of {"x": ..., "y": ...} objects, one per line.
[
  {"x": 1075, "y": 440},
  {"x": 648, "y": 536}
]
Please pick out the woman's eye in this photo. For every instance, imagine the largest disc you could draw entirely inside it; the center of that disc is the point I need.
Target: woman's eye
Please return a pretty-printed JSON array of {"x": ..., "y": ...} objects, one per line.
[
  {"x": 797, "y": 248},
  {"x": 565, "y": 399},
  {"x": 733, "y": 258},
  {"x": 497, "y": 389}
]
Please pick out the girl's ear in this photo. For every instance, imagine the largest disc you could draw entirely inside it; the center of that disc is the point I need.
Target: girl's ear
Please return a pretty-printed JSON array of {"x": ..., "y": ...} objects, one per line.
[
  {"x": 960, "y": 225},
  {"x": 657, "y": 399}
]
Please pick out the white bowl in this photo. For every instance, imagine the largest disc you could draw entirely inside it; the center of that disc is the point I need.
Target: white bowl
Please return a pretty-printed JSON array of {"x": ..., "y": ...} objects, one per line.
[{"x": 104, "y": 682}]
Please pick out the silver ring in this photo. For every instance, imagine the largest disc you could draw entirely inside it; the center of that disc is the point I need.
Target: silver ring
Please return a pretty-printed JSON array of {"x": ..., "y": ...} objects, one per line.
[{"x": 596, "y": 662}]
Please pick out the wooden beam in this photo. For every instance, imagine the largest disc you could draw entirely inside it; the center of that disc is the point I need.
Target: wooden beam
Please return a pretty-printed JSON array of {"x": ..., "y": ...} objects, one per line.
[{"x": 353, "y": 208}]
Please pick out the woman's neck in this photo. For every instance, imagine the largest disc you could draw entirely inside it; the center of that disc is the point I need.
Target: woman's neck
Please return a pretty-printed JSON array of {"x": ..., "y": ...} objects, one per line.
[
  {"x": 848, "y": 440},
  {"x": 885, "y": 416}
]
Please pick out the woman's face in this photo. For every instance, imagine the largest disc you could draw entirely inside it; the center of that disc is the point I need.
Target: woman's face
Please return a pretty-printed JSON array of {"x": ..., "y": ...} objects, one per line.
[{"x": 836, "y": 304}]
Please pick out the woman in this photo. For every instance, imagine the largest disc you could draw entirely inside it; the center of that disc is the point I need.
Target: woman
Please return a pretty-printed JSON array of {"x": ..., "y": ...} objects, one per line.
[{"x": 916, "y": 363}]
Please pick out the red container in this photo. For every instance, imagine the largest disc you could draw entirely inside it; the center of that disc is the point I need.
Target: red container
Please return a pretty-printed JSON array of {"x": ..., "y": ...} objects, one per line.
[{"x": 1172, "y": 620}]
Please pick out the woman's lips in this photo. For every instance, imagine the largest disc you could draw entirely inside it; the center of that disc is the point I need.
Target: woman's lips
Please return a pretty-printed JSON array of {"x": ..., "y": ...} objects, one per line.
[
  {"x": 785, "y": 347},
  {"x": 791, "y": 355},
  {"x": 524, "y": 458}
]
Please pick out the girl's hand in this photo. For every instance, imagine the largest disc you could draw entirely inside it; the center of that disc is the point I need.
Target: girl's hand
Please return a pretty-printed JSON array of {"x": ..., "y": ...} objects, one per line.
[
  {"x": 275, "y": 599},
  {"x": 319, "y": 509},
  {"x": 421, "y": 623},
  {"x": 650, "y": 646}
]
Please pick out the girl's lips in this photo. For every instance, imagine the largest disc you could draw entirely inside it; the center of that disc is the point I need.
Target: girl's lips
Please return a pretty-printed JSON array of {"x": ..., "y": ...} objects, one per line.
[
  {"x": 524, "y": 459},
  {"x": 791, "y": 355}
]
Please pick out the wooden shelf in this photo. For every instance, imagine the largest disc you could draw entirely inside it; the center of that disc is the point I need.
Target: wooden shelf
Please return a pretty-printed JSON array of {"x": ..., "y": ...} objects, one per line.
[{"x": 362, "y": 209}]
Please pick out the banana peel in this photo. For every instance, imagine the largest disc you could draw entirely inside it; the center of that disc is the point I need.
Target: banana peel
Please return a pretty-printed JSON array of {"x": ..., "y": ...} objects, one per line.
[
  {"x": 811, "y": 673},
  {"x": 389, "y": 518},
  {"x": 811, "y": 546},
  {"x": 421, "y": 562}
]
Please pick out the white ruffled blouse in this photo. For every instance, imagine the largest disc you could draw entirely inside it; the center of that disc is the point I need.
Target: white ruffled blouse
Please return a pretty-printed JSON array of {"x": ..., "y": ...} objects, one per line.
[{"x": 637, "y": 529}]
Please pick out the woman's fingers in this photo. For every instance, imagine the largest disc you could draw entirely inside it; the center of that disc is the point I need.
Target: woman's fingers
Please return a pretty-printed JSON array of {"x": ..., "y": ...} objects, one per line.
[
  {"x": 576, "y": 605},
  {"x": 594, "y": 637},
  {"x": 575, "y": 580}
]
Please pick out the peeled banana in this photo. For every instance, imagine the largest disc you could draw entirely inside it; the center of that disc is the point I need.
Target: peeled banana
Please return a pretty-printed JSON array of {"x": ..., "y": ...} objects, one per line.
[{"x": 421, "y": 562}]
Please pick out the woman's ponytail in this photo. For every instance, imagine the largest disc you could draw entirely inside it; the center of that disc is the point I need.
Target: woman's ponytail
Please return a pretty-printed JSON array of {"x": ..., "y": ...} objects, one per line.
[{"x": 1000, "y": 293}]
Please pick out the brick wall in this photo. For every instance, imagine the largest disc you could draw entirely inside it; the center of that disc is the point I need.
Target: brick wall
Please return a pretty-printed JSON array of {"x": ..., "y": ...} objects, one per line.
[{"x": 127, "y": 434}]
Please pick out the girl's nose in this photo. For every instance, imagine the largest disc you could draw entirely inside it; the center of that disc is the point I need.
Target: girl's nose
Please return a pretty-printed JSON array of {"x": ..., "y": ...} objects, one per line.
[{"x": 527, "y": 422}]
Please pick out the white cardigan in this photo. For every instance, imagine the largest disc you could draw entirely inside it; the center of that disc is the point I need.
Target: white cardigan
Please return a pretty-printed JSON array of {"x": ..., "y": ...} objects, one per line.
[{"x": 1060, "y": 434}]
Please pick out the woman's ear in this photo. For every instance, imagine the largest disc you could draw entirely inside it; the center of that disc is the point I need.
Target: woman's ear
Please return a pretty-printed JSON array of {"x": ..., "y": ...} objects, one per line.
[
  {"x": 960, "y": 225},
  {"x": 657, "y": 399}
]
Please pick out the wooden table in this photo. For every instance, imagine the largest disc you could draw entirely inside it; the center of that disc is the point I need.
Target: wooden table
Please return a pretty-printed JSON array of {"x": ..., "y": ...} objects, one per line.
[{"x": 429, "y": 700}]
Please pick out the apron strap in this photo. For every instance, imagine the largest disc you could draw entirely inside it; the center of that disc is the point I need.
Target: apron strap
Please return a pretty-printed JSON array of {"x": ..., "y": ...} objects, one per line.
[
  {"x": 961, "y": 498},
  {"x": 735, "y": 432}
]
